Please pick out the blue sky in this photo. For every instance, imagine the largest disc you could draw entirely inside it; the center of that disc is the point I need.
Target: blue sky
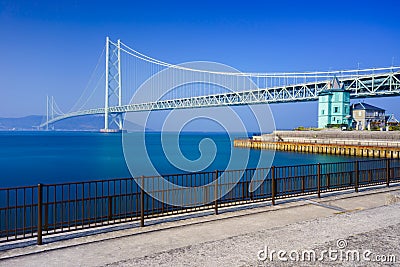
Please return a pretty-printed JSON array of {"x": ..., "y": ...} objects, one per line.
[{"x": 51, "y": 47}]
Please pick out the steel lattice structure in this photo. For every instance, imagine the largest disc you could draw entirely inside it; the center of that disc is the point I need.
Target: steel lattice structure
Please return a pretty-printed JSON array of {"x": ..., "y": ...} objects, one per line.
[{"x": 378, "y": 82}]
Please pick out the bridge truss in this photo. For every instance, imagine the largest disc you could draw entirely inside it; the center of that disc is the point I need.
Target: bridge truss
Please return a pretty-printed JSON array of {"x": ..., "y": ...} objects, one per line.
[{"x": 269, "y": 87}]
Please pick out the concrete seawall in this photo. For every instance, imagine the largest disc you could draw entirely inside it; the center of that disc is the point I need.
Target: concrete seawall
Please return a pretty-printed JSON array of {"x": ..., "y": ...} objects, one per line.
[
  {"x": 329, "y": 141},
  {"x": 334, "y": 149},
  {"x": 333, "y": 134}
]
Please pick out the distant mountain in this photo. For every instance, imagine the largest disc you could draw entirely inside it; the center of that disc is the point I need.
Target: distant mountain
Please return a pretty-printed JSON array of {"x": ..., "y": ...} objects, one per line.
[
  {"x": 24, "y": 123},
  {"x": 86, "y": 123},
  {"x": 83, "y": 123}
]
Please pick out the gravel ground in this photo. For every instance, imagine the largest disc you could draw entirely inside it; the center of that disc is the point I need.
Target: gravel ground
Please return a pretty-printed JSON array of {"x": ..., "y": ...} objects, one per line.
[
  {"x": 383, "y": 244},
  {"x": 377, "y": 230}
]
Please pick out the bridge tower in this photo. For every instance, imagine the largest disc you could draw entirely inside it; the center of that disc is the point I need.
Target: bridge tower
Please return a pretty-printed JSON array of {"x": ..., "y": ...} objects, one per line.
[
  {"x": 113, "y": 94},
  {"x": 49, "y": 112}
]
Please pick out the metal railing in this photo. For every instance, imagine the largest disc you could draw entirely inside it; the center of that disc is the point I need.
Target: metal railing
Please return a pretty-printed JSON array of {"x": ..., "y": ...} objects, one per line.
[{"x": 36, "y": 211}]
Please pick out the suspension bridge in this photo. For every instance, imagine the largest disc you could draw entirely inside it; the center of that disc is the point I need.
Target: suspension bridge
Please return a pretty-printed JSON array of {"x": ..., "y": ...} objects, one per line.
[{"x": 126, "y": 70}]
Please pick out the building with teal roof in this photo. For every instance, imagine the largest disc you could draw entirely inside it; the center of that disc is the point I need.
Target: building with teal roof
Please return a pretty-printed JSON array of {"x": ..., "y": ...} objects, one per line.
[{"x": 334, "y": 106}]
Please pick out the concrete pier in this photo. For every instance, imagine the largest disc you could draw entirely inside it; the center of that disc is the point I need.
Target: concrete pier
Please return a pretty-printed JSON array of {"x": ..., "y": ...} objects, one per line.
[{"x": 334, "y": 149}]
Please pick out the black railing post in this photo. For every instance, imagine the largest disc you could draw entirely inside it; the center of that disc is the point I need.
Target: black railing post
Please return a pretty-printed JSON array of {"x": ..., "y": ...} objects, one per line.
[
  {"x": 357, "y": 174},
  {"x": 319, "y": 179},
  {"x": 162, "y": 202},
  {"x": 328, "y": 180},
  {"x": 216, "y": 193},
  {"x": 246, "y": 190},
  {"x": 39, "y": 214},
  {"x": 387, "y": 172},
  {"x": 273, "y": 188},
  {"x": 46, "y": 216},
  {"x": 110, "y": 213},
  {"x": 142, "y": 203},
  {"x": 250, "y": 188}
]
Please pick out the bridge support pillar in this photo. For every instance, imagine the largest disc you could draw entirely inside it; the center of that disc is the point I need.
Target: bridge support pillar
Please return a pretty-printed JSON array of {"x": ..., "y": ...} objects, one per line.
[
  {"x": 113, "y": 93},
  {"x": 49, "y": 112}
]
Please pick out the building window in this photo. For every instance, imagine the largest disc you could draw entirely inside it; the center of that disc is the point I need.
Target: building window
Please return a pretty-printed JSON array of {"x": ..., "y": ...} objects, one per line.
[
  {"x": 359, "y": 113},
  {"x": 323, "y": 112},
  {"x": 334, "y": 119},
  {"x": 336, "y": 110}
]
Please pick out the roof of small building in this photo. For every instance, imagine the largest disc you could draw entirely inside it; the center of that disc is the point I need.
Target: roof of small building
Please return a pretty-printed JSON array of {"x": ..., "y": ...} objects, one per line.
[
  {"x": 365, "y": 106},
  {"x": 333, "y": 86},
  {"x": 336, "y": 83}
]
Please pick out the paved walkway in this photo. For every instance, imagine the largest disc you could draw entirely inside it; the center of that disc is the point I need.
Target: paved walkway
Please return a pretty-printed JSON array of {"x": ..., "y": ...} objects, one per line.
[{"x": 234, "y": 237}]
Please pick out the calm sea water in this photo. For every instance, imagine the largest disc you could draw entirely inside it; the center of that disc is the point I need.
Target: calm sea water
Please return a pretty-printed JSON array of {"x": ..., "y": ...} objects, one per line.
[{"x": 29, "y": 158}]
